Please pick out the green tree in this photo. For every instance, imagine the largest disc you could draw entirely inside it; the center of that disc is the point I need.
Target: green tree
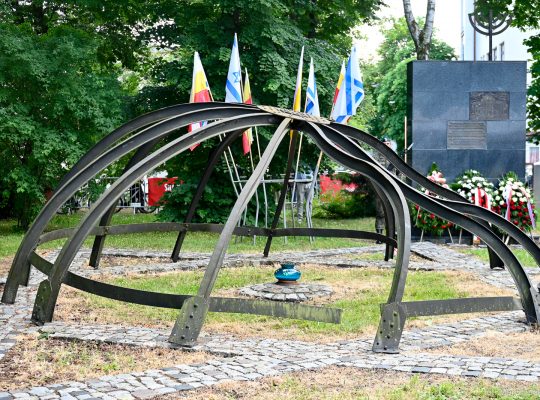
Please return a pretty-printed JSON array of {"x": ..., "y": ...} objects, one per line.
[
  {"x": 54, "y": 103},
  {"x": 59, "y": 89},
  {"x": 60, "y": 62},
  {"x": 421, "y": 36},
  {"x": 392, "y": 102},
  {"x": 398, "y": 46},
  {"x": 271, "y": 34},
  {"x": 120, "y": 26},
  {"x": 526, "y": 17}
]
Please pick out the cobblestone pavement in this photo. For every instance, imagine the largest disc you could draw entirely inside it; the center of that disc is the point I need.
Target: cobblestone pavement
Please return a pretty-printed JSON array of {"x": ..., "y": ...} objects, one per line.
[
  {"x": 286, "y": 292},
  {"x": 253, "y": 358},
  {"x": 415, "y": 339}
]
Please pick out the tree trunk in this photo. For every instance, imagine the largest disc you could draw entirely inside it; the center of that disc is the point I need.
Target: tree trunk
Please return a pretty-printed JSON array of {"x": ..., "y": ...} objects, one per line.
[
  {"x": 421, "y": 38},
  {"x": 422, "y": 52}
]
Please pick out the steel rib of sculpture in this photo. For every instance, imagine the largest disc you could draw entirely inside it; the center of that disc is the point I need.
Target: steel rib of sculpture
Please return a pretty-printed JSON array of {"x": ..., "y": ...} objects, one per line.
[{"x": 338, "y": 141}]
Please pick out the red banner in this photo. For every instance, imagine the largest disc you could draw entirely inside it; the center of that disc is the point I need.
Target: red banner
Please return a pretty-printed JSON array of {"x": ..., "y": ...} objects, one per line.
[{"x": 157, "y": 188}]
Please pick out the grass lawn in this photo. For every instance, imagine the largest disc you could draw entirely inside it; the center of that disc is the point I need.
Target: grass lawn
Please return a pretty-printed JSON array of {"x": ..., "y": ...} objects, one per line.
[
  {"x": 482, "y": 254},
  {"x": 337, "y": 383},
  {"x": 357, "y": 291},
  {"x": 10, "y": 237}
]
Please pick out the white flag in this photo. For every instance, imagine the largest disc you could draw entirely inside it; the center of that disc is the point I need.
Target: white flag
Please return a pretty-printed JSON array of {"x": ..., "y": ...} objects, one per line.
[
  {"x": 351, "y": 92},
  {"x": 312, "y": 100},
  {"x": 233, "y": 88}
]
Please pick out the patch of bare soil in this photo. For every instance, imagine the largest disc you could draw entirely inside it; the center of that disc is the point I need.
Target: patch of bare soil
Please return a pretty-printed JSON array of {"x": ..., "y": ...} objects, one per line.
[
  {"x": 36, "y": 362},
  {"x": 348, "y": 383},
  {"x": 523, "y": 346},
  {"x": 5, "y": 265}
]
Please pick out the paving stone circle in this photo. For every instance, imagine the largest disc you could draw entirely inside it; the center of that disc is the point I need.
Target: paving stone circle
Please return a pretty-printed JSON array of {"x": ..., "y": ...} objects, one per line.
[{"x": 292, "y": 292}]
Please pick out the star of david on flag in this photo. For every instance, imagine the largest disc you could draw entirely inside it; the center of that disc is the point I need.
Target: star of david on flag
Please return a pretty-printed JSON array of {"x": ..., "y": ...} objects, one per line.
[
  {"x": 233, "y": 88},
  {"x": 351, "y": 92},
  {"x": 312, "y": 100}
]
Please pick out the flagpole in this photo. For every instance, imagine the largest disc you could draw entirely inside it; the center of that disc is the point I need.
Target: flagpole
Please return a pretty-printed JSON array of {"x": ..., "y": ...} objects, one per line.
[
  {"x": 317, "y": 166},
  {"x": 232, "y": 158},
  {"x": 263, "y": 182},
  {"x": 311, "y": 194},
  {"x": 257, "y": 204},
  {"x": 296, "y": 107},
  {"x": 314, "y": 110},
  {"x": 246, "y": 97},
  {"x": 256, "y": 199},
  {"x": 245, "y": 209},
  {"x": 295, "y": 176}
]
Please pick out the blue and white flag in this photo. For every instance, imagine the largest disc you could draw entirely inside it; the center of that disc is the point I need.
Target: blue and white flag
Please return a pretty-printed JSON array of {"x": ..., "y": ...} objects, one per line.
[
  {"x": 233, "y": 88},
  {"x": 312, "y": 100},
  {"x": 351, "y": 92}
]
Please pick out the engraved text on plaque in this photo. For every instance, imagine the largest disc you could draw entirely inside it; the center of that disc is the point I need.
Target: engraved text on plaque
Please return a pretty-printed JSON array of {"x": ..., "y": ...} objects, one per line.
[
  {"x": 489, "y": 106},
  {"x": 466, "y": 135}
]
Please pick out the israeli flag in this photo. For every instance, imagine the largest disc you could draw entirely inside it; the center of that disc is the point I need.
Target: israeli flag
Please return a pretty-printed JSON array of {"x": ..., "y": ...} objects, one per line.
[
  {"x": 233, "y": 89},
  {"x": 312, "y": 100},
  {"x": 351, "y": 93}
]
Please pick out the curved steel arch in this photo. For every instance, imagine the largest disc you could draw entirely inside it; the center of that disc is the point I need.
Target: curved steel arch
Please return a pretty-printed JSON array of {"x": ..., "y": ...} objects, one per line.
[
  {"x": 194, "y": 310},
  {"x": 519, "y": 275},
  {"x": 452, "y": 197},
  {"x": 48, "y": 289},
  {"x": 140, "y": 122},
  {"x": 141, "y": 153},
  {"x": 214, "y": 157},
  {"x": 336, "y": 140},
  {"x": 389, "y": 188},
  {"x": 388, "y": 212},
  {"x": 395, "y": 312},
  {"x": 82, "y": 173},
  {"x": 410, "y": 173},
  {"x": 212, "y": 161}
]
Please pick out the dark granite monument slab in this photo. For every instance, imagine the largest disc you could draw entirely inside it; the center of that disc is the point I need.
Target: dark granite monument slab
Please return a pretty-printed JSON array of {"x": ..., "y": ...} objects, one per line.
[{"x": 466, "y": 114}]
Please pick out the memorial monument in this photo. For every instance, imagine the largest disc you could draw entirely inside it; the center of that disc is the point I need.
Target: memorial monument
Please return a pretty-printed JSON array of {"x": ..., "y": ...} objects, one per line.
[
  {"x": 339, "y": 141},
  {"x": 467, "y": 115}
]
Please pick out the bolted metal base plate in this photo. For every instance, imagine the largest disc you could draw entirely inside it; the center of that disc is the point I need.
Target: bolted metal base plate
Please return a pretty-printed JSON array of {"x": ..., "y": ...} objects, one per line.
[
  {"x": 391, "y": 325},
  {"x": 189, "y": 322}
]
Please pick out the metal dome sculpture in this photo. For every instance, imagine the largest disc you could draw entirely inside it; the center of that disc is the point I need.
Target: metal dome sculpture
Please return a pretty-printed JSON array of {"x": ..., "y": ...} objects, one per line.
[{"x": 339, "y": 142}]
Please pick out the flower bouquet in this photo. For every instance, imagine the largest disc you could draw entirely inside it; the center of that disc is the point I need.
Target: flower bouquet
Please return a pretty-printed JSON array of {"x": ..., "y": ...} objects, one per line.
[
  {"x": 475, "y": 188},
  {"x": 426, "y": 220},
  {"x": 515, "y": 202}
]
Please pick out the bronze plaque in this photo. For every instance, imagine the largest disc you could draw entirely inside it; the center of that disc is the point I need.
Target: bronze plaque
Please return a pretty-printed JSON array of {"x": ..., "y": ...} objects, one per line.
[
  {"x": 466, "y": 135},
  {"x": 489, "y": 106}
]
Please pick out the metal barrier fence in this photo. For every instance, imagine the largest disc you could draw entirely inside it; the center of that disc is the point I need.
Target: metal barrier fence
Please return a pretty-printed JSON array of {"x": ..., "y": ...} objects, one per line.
[{"x": 136, "y": 197}]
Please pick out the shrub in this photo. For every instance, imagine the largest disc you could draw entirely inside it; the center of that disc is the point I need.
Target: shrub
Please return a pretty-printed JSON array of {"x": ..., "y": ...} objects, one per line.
[
  {"x": 214, "y": 206},
  {"x": 355, "y": 202}
]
